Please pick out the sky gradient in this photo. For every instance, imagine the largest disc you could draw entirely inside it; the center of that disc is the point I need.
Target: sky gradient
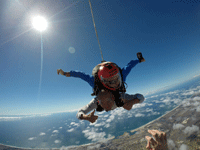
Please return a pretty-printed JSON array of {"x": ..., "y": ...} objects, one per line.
[{"x": 166, "y": 32}]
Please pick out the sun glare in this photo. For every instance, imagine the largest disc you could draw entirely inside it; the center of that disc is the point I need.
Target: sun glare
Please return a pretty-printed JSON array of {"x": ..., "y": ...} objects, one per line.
[{"x": 39, "y": 23}]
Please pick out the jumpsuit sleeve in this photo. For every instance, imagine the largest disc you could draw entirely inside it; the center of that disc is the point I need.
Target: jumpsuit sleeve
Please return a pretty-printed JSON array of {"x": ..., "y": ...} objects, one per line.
[
  {"x": 126, "y": 70},
  {"x": 87, "y": 108},
  {"x": 89, "y": 79}
]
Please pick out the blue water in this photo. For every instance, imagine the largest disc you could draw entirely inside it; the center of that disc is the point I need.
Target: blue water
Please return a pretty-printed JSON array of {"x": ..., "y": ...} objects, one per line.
[{"x": 63, "y": 129}]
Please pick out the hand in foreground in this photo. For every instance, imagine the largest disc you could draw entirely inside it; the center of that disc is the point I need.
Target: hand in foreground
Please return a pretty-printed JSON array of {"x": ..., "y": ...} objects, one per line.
[
  {"x": 160, "y": 142},
  {"x": 91, "y": 117}
]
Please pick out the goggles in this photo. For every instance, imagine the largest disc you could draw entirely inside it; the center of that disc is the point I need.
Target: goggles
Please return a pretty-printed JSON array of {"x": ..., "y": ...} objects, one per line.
[{"x": 113, "y": 80}]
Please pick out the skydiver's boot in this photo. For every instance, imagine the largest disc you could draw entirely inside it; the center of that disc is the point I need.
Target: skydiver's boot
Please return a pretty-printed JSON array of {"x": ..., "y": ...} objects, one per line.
[{"x": 139, "y": 56}]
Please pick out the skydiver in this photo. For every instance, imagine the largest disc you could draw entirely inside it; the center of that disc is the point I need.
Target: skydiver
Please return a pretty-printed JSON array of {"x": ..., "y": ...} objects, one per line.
[{"x": 107, "y": 81}]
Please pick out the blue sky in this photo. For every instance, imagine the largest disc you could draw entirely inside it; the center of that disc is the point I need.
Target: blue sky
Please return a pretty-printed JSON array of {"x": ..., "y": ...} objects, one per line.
[{"x": 166, "y": 32}]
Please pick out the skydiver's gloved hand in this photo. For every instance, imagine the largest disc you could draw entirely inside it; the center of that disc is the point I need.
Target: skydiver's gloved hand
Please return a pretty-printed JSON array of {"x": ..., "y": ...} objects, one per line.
[
  {"x": 140, "y": 57},
  {"x": 91, "y": 117},
  {"x": 67, "y": 74},
  {"x": 159, "y": 142}
]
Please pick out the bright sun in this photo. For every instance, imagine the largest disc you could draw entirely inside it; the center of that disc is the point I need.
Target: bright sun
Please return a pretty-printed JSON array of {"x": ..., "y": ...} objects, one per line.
[{"x": 39, "y": 23}]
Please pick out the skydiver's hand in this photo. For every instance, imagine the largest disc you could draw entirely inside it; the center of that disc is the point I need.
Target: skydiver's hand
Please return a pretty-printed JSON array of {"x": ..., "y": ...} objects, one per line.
[
  {"x": 60, "y": 71},
  {"x": 160, "y": 142},
  {"x": 91, "y": 117},
  {"x": 128, "y": 104},
  {"x": 67, "y": 74}
]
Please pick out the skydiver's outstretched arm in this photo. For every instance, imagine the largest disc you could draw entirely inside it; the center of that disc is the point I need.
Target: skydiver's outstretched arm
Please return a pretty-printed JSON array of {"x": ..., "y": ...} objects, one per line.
[
  {"x": 82, "y": 113},
  {"x": 89, "y": 79},
  {"x": 127, "y": 69}
]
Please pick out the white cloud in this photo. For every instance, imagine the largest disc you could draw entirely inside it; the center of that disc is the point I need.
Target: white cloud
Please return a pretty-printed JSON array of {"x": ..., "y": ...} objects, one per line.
[
  {"x": 68, "y": 147},
  {"x": 93, "y": 135},
  {"x": 153, "y": 113},
  {"x": 74, "y": 124},
  {"x": 129, "y": 116},
  {"x": 55, "y": 131},
  {"x": 190, "y": 102},
  {"x": 195, "y": 103},
  {"x": 184, "y": 147},
  {"x": 32, "y": 138},
  {"x": 139, "y": 115},
  {"x": 110, "y": 136},
  {"x": 171, "y": 144},
  {"x": 71, "y": 130},
  {"x": 107, "y": 125},
  {"x": 140, "y": 105},
  {"x": 105, "y": 116},
  {"x": 60, "y": 127},
  {"x": 10, "y": 118},
  {"x": 99, "y": 124},
  {"x": 177, "y": 101},
  {"x": 188, "y": 92},
  {"x": 42, "y": 133},
  {"x": 162, "y": 105},
  {"x": 196, "y": 76},
  {"x": 112, "y": 117},
  {"x": 174, "y": 92},
  {"x": 97, "y": 146},
  {"x": 191, "y": 130},
  {"x": 167, "y": 101},
  {"x": 186, "y": 103},
  {"x": 178, "y": 126},
  {"x": 196, "y": 98},
  {"x": 149, "y": 110},
  {"x": 154, "y": 96},
  {"x": 198, "y": 109},
  {"x": 99, "y": 113},
  {"x": 57, "y": 141},
  {"x": 156, "y": 101}
]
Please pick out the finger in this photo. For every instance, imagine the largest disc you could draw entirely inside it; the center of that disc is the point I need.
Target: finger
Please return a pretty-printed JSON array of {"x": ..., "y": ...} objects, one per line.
[
  {"x": 148, "y": 147},
  {"x": 155, "y": 134},
  {"x": 58, "y": 71},
  {"x": 148, "y": 138},
  {"x": 161, "y": 133},
  {"x": 161, "y": 136},
  {"x": 151, "y": 140},
  {"x": 93, "y": 113}
]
